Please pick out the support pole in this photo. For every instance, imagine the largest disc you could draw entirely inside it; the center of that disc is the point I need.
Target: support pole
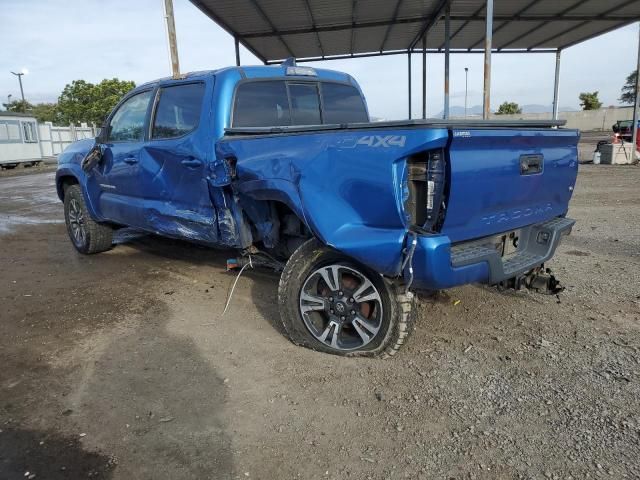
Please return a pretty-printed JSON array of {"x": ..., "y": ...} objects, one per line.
[
  {"x": 424, "y": 76},
  {"x": 237, "y": 44},
  {"x": 636, "y": 104},
  {"x": 556, "y": 85},
  {"x": 447, "y": 57},
  {"x": 171, "y": 36},
  {"x": 409, "y": 79},
  {"x": 488, "y": 38}
]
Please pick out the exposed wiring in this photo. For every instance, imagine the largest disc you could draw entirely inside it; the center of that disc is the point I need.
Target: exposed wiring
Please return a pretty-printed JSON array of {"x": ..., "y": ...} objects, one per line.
[
  {"x": 226, "y": 306},
  {"x": 409, "y": 260}
]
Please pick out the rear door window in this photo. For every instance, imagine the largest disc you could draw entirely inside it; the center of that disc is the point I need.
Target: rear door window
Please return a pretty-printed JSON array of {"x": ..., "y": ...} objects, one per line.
[
  {"x": 178, "y": 110},
  {"x": 261, "y": 104},
  {"x": 342, "y": 104},
  {"x": 305, "y": 104}
]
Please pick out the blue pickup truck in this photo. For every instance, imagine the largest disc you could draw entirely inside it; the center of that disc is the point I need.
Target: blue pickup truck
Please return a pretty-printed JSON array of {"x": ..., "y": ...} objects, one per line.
[{"x": 282, "y": 164}]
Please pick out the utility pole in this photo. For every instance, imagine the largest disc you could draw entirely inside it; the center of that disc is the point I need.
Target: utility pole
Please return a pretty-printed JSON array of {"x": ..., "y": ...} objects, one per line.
[
  {"x": 19, "y": 75},
  {"x": 171, "y": 37}
]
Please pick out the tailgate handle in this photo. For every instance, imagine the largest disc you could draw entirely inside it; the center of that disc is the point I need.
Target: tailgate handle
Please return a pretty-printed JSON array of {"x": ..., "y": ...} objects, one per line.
[{"x": 531, "y": 164}]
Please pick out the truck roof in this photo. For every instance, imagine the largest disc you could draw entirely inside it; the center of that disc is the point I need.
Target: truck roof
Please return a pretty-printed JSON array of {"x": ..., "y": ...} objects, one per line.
[{"x": 261, "y": 71}]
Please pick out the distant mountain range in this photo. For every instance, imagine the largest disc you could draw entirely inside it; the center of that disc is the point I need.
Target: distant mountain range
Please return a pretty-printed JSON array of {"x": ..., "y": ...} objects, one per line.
[{"x": 457, "y": 111}]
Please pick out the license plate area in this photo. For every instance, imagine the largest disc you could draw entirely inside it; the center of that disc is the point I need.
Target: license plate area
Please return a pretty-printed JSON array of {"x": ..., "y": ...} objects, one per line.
[{"x": 507, "y": 244}]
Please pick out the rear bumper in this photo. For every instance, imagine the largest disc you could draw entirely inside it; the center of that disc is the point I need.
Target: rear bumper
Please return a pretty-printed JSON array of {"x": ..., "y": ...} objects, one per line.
[{"x": 437, "y": 264}]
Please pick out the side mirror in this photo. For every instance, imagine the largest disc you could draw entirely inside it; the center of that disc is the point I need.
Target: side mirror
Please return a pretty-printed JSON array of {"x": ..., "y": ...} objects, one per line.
[{"x": 92, "y": 158}]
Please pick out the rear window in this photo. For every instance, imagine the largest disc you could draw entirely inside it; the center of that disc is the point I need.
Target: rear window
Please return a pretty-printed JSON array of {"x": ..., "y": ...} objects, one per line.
[
  {"x": 262, "y": 104},
  {"x": 305, "y": 104},
  {"x": 342, "y": 104},
  {"x": 275, "y": 103}
]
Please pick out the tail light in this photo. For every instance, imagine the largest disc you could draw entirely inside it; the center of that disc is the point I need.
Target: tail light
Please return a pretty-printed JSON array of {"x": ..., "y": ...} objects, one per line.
[{"x": 426, "y": 183}]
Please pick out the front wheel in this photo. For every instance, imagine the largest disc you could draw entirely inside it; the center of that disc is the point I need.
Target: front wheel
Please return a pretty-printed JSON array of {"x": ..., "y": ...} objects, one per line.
[
  {"x": 86, "y": 235},
  {"x": 330, "y": 303}
]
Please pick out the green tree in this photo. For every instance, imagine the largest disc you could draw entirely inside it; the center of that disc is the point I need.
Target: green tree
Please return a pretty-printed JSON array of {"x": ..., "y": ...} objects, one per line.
[
  {"x": 46, "y": 112},
  {"x": 509, "y": 108},
  {"x": 18, "y": 106},
  {"x": 590, "y": 101},
  {"x": 82, "y": 101},
  {"x": 629, "y": 89}
]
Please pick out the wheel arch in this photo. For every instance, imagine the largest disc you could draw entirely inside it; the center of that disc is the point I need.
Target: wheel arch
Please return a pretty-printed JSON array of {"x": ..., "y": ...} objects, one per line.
[{"x": 63, "y": 182}]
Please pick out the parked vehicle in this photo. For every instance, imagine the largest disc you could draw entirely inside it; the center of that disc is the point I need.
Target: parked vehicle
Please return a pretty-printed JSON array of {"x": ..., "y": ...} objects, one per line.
[
  {"x": 623, "y": 129},
  {"x": 282, "y": 164}
]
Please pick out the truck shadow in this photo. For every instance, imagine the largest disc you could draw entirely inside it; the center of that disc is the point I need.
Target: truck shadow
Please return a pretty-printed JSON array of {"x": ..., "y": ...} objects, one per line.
[
  {"x": 264, "y": 283},
  {"x": 151, "y": 397}
]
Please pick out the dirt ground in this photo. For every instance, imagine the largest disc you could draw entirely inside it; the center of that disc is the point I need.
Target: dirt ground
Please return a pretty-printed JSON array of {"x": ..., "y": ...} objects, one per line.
[{"x": 120, "y": 365}]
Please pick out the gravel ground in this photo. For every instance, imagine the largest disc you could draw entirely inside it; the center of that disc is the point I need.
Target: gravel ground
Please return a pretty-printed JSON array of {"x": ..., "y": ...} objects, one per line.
[{"x": 120, "y": 366}]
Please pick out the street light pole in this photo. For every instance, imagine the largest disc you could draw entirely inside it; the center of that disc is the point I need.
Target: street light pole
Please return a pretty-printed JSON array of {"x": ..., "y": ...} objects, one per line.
[
  {"x": 19, "y": 75},
  {"x": 9, "y": 100},
  {"x": 466, "y": 89}
]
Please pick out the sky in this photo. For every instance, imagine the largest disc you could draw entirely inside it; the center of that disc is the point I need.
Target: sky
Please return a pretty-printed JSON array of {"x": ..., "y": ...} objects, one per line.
[{"x": 59, "y": 41}]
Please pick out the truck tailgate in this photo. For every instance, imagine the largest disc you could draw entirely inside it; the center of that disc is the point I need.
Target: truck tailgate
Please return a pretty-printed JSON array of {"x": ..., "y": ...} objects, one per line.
[{"x": 504, "y": 179}]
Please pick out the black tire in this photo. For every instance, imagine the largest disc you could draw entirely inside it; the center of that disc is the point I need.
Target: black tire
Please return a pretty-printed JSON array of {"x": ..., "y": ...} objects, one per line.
[
  {"x": 86, "y": 235},
  {"x": 396, "y": 321}
]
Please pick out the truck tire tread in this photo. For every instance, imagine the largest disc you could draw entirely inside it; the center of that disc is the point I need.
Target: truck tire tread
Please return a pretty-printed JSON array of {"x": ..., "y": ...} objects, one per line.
[
  {"x": 401, "y": 305},
  {"x": 100, "y": 236}
]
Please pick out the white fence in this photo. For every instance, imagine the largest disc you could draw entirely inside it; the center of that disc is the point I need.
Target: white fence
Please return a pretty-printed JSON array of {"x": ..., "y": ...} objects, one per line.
[
  {"x": 54, "y": 140},
  {"x": 602, "y": 119}
]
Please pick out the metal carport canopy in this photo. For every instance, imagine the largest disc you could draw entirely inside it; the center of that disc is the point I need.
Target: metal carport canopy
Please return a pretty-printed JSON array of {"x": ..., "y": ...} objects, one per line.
[{"x": 322, "y": 29}]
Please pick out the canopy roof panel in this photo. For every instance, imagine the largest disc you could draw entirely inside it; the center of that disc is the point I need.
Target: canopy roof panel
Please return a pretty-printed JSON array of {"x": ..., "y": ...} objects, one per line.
[{"x": 313, "y": 29}]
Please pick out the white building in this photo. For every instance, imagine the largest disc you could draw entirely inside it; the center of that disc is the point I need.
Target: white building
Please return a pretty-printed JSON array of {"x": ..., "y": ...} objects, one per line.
[{"x": 19, "y": 139}]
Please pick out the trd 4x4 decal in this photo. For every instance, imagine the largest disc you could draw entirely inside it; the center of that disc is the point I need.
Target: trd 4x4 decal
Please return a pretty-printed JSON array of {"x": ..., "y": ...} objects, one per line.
[{"x": 382, "y": 141}]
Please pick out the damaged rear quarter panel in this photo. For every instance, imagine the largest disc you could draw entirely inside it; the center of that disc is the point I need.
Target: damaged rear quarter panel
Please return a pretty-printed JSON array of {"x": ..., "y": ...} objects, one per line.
[{"x": 346, "y": 185}]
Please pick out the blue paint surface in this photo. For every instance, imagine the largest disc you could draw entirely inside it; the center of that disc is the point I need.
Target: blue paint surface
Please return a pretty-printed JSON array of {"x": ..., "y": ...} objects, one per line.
[{"x": 347, "y": 185}]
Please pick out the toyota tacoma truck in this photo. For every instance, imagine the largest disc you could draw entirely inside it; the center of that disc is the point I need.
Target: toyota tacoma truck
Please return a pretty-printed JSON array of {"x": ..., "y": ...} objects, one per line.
[{"x": 282, "y": 164}]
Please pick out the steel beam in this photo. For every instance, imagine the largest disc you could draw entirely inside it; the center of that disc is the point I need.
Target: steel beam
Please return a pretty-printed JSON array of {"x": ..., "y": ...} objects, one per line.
[
  {"x": 313, "y": 25},
  {"x": 207, "y": 12},
  {"x": 354, "y": 5},
  {"x": 636, "y": 105},
  {"x": 409, "y": 79},
  {"x": 237, "y": 45},
  {"x": 390, "y": 26},
  {"x": 424, "y": 77},
  {"x": 517, "y": 16},
  {"x": 274, "y": 30},
  {"x": 556, "y": 86},
  {"x": 545, "y": 22},
  {"x": 461, "y": 27},
  {"x": 447, "y": 52},
  {"x": 488, "y": 38},
  {"x": 430, "y": 22},
  {"x": 171, "y": 37},
  {"x": 629, "y": 21},
  {"x": 459, "y": 18},
  {"x": 404, "y": 52}
]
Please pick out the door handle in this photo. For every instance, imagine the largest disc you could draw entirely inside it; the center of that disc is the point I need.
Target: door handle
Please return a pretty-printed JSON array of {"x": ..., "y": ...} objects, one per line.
[
  {"x": 191, "y": 162},
  {"x": 130, "y": 160}
]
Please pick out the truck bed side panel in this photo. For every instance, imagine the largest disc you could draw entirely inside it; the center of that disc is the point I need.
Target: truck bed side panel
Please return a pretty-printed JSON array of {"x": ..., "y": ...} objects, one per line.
[{"x": 347, "y": 184}]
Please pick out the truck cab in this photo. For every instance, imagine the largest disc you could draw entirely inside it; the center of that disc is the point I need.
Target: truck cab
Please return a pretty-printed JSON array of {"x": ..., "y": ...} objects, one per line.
[{"x": 282, "y": 164}]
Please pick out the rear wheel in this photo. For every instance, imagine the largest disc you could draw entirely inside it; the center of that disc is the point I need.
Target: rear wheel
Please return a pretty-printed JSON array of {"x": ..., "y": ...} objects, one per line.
[
  {"x": 86, "y": 235},
  {"x": 330, "y": 303}
]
